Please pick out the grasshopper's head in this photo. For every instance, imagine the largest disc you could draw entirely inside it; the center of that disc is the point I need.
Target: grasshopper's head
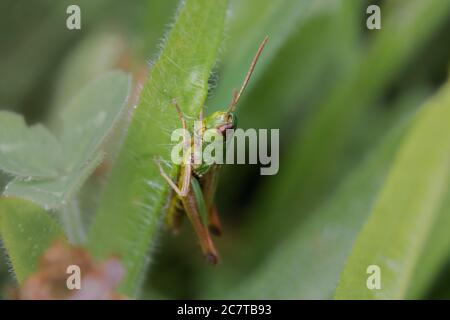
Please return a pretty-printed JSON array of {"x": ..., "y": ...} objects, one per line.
[{"x": 221, "y": 121}]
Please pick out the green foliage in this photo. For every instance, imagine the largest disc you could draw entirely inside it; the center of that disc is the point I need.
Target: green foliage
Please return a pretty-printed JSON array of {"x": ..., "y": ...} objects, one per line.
[
  {"x": 254, "y": 20},
  {"x": 24, "y": 65},
  {"x": 307, "y": 264},
  {"x": 433, "y": 255},
  {"x": 363, "y": 174},
  {"x": 24, "y": 151},
  {"x": 406, "y": 209},
  {"x": 86, "y": 123},
  {"x": 330, "y": 128},
  {"x": 128, "y": 218},
  {"x": 26, "y": 231},
  {"x": 93, "y": 56},
  {"x": 304, "y": 56}
]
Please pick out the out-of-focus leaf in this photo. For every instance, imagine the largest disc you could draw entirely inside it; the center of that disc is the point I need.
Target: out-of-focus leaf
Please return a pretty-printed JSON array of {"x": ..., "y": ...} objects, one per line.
[
  {"x": 301, "y": 72},
  {"x": 440, "y": 289},
  {"x": 294, "y": 62},
  {"x": 128, "y": 218},
  {"x": 26, "y": 231},
  {"x": 90, "y": 116},
  {"x": 434, "y": 256},
  {"x": 53, "y": 193},
  {"x": 86, "y": 123},
  {"x": 307, "y": 264},
  {"x": 95, "y": 54},
  {"x": 27, "y": 152},
  {"x": 304, "y": 56},
  {"x": 250, "y": 22},
  {"x": 396, "y": 232},
  {"x": 35, "y": 43},
  {"x": 313, "y": 156}
]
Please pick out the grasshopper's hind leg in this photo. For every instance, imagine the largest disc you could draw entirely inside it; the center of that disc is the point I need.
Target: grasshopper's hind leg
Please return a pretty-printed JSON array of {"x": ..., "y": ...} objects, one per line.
[
  {"x": 215, "y": 227},
  {"x": 191, "y": 206},
  {"x": 209, "y": 186}
]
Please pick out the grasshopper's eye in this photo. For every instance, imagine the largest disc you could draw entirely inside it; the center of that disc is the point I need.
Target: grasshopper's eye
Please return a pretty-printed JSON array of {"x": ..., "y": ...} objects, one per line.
[{"x": 233, "y": 120}]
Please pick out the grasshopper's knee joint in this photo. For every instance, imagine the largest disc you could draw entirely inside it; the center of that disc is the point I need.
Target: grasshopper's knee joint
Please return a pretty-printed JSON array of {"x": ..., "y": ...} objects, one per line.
[
  {"x": 215, "y": 230},
  {"x": 212, "y": 259}
]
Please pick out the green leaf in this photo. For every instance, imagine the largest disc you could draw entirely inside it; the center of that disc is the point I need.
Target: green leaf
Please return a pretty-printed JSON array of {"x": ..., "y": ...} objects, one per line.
[
  {"x": 26, "y": 65},
  {"x": 252, "y": 20},
  {"x": 300, "y": 73},
  {"x": 407, "y": 208},
  {"x": 434, "y": 256},
  {"x": 24, "y": 151},
  {"x": 300, "y": 70},
  {"x": 337, "y": 115},
  {"x": 154, "y": 17},
  {"x": 26, "y": 231},
  {"x": 93, "y": 56},
  {"x": 321, "y": 144},
  {"x": 53, "y": 193},
  {"x": 129, "y": 215},
  {"x": 307, "y": 264},
  {"x": 90, "y": 116},
  {"x": 86, "y": 123}
]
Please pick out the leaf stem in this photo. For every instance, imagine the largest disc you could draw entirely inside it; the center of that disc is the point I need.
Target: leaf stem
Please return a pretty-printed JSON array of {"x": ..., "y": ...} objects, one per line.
[{"x": 73, "y": 223}]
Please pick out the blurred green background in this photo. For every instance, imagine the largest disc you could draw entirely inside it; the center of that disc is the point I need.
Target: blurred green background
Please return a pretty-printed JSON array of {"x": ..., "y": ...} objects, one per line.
[{"x": 336, "y": 90}]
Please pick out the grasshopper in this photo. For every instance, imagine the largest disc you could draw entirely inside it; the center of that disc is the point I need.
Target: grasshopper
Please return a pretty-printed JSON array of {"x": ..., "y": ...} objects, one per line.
[{"x": 196, "y": 182}]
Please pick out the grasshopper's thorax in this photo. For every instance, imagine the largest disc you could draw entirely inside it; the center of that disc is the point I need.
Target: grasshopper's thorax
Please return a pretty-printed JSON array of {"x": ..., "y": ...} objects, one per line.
[{"x": 219, "y": 121}]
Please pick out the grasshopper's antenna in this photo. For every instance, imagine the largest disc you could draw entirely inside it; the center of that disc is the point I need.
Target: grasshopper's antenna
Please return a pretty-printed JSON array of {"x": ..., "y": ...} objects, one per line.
[{"x": 237, "y": 96}]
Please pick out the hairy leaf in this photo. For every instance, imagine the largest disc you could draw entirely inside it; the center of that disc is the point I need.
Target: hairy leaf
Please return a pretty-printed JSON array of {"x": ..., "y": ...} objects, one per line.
[{"x": 128, "y": 218}]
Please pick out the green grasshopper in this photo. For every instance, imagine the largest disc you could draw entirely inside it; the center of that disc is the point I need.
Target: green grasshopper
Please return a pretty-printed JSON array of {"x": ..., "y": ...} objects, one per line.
[{"x": 196, "y": 183}]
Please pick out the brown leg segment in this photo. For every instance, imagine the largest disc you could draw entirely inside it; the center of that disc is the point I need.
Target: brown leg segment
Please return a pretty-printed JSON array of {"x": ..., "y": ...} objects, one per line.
[
  {"x": 214, "y": 226},
  {"x": 209, "y": 186},
  {"x": 206, "y": 243}
]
